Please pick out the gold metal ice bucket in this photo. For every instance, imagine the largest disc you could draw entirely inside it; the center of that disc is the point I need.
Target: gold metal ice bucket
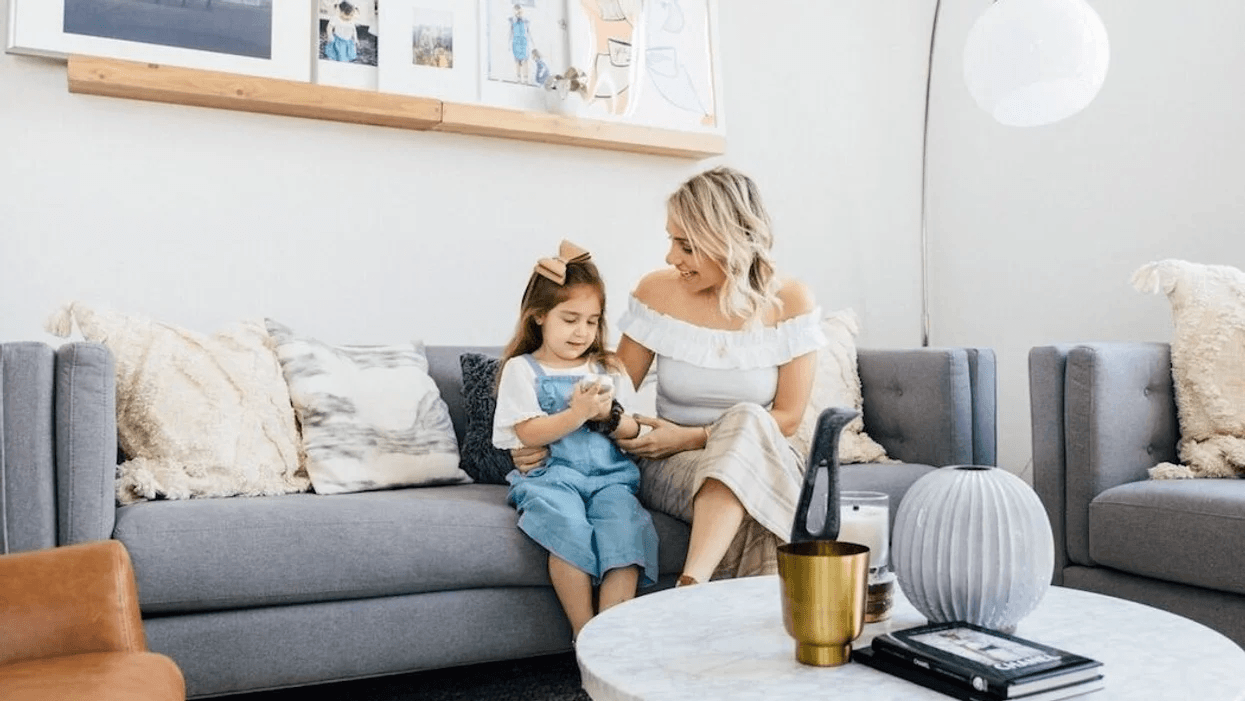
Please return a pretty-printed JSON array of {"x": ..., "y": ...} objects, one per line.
[{"x": 823, "y": 598}]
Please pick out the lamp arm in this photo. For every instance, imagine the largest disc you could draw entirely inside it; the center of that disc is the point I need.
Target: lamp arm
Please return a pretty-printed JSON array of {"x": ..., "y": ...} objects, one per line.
[{"x": 929, "y": 72}]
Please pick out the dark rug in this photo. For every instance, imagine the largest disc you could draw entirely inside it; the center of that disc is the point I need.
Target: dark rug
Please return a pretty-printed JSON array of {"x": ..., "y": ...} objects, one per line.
[{"x": 549, "y": 678}]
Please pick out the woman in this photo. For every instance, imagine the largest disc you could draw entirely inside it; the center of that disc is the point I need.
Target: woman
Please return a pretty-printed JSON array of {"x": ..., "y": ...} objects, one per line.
[{"x": 735, "y": 350}]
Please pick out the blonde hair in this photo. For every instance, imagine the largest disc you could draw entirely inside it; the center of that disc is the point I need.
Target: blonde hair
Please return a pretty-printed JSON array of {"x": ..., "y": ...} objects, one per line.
[{"x": 721, "y": 213}]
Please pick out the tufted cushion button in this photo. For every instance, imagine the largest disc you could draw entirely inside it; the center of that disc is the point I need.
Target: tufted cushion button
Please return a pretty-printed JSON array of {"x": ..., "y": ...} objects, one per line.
[{"x": 1146, "y": 391}]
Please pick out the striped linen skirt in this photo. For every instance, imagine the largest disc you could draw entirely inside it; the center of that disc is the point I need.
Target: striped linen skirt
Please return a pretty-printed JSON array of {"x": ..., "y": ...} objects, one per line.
[{"x": 747, "y": 453}]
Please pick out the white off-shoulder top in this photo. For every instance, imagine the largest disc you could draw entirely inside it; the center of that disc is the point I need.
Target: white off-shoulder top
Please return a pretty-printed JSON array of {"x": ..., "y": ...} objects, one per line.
[{"x": 702, "y": 372}]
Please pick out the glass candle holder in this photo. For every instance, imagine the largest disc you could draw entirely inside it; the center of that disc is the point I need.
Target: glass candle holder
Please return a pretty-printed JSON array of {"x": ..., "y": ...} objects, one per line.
[{"x": 864, "y": 518}]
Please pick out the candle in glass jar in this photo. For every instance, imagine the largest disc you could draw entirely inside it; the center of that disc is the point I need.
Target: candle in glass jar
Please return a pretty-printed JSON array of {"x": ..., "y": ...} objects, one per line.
[{"x": 866, "y": 525}]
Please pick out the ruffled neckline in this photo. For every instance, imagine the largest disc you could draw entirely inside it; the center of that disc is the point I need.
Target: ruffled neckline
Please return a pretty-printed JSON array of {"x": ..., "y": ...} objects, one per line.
[{"x": 722, "y": 349}]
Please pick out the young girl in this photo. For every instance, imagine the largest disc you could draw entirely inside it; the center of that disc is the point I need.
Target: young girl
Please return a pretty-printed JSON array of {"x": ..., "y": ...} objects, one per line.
[
  {"x": 580, "y": 505},
  {"x": 341, "y": 37},
  {"x": 520, "y": 43}
]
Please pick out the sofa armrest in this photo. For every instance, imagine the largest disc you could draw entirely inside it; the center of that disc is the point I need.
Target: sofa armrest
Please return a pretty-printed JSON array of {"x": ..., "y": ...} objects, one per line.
[
  {"x": 918, "y": 403},
  {"x": 27, "y": 454},
  {"x": 1102, "y": 414},
  {"x": 86, "y": 442},
  {"x": 67, "y": 601}
]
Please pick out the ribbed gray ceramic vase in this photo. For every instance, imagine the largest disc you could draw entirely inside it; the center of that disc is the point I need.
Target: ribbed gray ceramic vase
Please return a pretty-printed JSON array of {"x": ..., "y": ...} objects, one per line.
[{"x": 973, "y": 544}]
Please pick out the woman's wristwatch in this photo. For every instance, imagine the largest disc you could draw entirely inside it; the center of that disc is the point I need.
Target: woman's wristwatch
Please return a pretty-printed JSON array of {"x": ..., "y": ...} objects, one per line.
[{"x": 608, "y": 426}]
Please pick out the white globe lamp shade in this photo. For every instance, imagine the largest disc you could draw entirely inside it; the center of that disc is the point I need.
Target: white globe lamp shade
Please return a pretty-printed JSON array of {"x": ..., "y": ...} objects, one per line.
[{"x": 1035, "y": 62}]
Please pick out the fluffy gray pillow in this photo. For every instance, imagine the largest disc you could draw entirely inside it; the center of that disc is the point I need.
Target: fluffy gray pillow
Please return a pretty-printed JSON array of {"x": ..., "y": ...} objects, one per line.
[{"x": 485, "y": 463}]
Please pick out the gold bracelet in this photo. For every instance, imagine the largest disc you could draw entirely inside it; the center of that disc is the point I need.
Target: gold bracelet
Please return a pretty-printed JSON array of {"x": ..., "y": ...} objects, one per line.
[{"x": 706, "y": 430}]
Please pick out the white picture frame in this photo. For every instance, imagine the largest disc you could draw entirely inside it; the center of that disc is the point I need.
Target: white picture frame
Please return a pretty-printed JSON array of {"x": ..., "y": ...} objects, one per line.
[
  {"x": 430, "y": 49},
  {"x": 503, "y": 83},
  {"x": 360, "y": 73},
  {"x": 674, "y": 79},
  {"x": 37, "y": 27}
]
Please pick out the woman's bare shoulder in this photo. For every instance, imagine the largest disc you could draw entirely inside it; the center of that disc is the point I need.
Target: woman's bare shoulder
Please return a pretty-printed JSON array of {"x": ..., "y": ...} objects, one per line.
[
  {"x": 796, "y": 297},
  {"x": 657, "y": 290}
]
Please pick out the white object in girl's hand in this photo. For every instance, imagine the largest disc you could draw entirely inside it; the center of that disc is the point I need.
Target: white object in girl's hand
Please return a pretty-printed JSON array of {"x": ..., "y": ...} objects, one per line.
[{"x": 603, "y": 384}]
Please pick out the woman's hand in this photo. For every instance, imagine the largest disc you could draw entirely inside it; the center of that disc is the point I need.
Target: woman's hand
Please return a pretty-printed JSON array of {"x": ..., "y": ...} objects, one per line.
[
  {"x": 666, "y": 439},
  {"x": 526, "y": 459}
]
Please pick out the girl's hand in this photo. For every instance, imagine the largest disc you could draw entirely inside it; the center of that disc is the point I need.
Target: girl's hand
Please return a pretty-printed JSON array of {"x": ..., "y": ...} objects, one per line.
[
  {"x": 666, "y": 439},
  {"x": 588, "y": 402},
  {"x": 526, "y": 459}
]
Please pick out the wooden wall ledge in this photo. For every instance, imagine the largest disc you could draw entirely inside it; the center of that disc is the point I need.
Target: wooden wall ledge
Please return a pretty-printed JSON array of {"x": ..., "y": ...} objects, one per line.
[{"x": 187, "y": 86}]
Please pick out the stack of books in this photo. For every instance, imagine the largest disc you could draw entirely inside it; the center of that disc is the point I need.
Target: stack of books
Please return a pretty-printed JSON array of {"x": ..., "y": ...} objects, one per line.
[{"x": 970, "y": 662}]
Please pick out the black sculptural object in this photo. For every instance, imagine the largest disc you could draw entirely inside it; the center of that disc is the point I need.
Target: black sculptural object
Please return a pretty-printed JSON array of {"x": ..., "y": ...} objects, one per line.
[{"x": 823, "y": 455}]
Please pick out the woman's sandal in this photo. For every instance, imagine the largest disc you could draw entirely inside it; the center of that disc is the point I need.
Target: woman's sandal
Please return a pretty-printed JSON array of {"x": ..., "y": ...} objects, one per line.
[{"x": 686, "y": 580}]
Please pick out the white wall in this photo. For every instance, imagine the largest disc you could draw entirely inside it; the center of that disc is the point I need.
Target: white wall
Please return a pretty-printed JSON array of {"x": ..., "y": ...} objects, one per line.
[
  {"x": 199, "y": 217},
  {"x": 1035, "y": 232}
]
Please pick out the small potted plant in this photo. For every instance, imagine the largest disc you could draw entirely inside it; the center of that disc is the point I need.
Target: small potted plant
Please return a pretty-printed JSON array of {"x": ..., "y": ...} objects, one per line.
[{"x": 567, "y": 92}]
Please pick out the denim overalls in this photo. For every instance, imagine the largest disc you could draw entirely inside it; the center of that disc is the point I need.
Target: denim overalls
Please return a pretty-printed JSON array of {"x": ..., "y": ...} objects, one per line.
[{"x": 581, "y": 504}]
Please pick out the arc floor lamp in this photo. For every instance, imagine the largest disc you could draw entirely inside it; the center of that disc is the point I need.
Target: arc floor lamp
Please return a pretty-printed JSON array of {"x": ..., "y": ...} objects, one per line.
[{"x": 1026, "y": 63}]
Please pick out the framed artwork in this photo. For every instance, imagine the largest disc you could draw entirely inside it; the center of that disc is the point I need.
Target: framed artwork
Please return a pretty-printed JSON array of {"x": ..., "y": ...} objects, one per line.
[
  {"x": 522, "y": 44},
  {"x": 430, "y": 49},
  {"x": 347, "y": 38},
  {"x": 653, "y": 63},
  {"x": 249, "y": 37}
]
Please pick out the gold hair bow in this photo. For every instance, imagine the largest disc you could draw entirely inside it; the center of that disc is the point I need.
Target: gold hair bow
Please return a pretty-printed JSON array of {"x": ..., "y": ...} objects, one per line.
[{"x": 555, "y": 268}]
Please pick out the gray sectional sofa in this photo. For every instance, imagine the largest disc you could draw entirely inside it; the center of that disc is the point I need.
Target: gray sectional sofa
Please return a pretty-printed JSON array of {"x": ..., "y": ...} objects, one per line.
[
  {"x": 267, "y": 592},
  {"x": 1102, "y": 415}
]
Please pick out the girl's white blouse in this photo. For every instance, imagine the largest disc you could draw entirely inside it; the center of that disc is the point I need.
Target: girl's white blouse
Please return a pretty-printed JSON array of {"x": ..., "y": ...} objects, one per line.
[
  {"x": 702, "y": 372},
  {"x": 517, "y": 400}
]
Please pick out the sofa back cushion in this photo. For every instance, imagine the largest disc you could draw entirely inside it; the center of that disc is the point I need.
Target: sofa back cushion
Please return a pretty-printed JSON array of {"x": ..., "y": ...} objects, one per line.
[{"x": 445, "y": 368}]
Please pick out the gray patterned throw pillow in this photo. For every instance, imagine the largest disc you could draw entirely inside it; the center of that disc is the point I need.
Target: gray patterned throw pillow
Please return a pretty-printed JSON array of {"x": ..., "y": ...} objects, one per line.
[{"x": 371, "y": 416}]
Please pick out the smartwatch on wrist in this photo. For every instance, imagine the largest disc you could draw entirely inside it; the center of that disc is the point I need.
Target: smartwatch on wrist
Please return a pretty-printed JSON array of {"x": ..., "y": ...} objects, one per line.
[{"x": 609, "y": 425}]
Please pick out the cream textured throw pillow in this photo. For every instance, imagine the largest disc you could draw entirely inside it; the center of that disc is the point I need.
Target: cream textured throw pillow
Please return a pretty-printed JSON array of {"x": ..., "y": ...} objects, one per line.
[
  {"x": 838, "y": 384},
  {"x": 197, "y": 416},
  {"x": 1208, "y": 364},
  {"x": 371, "y": 416}
]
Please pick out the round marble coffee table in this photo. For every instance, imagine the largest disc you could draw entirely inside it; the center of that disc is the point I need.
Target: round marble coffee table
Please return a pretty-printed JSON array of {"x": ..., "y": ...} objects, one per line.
[{"x": 725, "y": 640}]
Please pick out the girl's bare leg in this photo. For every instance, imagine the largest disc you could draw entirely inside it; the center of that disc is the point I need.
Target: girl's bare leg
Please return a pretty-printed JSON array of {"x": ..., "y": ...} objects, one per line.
[
  {"x": 716, "y": 516},
  {"x": 574, "y": 589},
  {"x": 618, "y": 585}
]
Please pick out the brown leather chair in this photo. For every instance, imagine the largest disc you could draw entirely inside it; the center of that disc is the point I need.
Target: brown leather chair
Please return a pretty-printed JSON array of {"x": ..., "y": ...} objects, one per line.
[{"x": 70, "y": 629}]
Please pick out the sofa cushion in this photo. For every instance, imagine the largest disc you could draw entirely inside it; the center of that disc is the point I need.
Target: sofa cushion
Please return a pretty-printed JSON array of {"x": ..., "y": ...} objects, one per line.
[
  {"x": 371, "y": 416},
  {"x": 480, "y": 458},
  {"x": 837, "y": 383},
  {"x": 215, "y": 554},
  {"x": 1208, "y": 367},
  {"x": 1186, "y": 531},
  {"x": 197, "y": 415}
]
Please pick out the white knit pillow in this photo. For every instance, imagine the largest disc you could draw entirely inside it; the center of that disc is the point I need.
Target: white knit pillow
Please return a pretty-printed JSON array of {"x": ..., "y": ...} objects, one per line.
[
  {"x": 838, "y": 384},
  {"x": 1208, "y": 364},
  {"x": 197, "y": 416},
  {"x": 371, "y": 416}
]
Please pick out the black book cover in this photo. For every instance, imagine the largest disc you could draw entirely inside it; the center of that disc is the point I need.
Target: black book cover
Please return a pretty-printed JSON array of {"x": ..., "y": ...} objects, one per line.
[
  {"x": 987, "y": 660},
  {"x": 956, "y": 689}
]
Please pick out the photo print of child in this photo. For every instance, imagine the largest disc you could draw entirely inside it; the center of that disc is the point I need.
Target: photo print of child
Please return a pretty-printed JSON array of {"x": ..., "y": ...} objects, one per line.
[
  {"x": 349, "y": 32},
  {"x": 524, "y": 38},
  {"x": 433, "y": 38}
]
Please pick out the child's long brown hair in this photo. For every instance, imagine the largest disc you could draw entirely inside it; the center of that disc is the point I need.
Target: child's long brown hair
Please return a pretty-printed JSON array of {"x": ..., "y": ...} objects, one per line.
[{"x": 541, "y": 296}]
